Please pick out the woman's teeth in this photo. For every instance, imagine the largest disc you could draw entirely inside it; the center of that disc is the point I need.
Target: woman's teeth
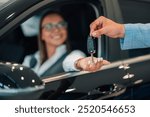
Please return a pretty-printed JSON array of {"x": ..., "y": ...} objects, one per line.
[{"x": 56, "y": 37}]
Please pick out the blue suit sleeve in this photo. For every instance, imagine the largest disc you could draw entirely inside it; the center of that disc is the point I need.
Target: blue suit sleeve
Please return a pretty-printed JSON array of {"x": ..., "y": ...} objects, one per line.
[{"x": 136, "y": 36}]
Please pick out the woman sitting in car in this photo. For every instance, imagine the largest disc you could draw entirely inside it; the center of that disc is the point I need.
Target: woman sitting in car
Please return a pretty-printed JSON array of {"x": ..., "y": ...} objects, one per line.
[{"x": 54, "y": 55}]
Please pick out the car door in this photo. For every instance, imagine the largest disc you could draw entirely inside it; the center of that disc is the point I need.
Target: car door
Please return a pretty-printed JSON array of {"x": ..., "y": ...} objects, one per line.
[
  {"x": 85, "y": 85},
  {"x": 67, "y": 86}
]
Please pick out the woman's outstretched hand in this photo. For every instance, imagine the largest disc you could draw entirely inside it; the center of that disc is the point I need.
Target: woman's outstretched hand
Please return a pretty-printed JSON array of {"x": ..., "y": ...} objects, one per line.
[{"x": 87, "y": 64}]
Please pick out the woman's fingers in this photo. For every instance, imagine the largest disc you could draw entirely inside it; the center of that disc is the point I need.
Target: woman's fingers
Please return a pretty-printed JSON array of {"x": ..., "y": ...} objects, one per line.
[
  {"x": 87, "y": 64},
  {"x": 96, "y": 66}
]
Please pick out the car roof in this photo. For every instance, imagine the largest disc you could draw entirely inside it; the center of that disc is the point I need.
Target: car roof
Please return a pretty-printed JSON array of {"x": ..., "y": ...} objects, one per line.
[{"x": 10, "y": 9}]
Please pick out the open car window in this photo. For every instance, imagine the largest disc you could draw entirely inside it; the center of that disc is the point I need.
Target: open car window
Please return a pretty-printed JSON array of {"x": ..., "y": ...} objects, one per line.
[
  {"x": 24, "y": 37},
  {"x": 79, "y": 15}
]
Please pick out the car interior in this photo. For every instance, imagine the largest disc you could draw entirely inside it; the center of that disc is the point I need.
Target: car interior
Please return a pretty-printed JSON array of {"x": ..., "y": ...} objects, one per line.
[{"x": 78, "y": 16}]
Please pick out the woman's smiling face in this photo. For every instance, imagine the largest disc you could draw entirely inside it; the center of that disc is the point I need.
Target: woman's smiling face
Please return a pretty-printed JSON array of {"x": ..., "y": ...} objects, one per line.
[{"x": 54, "y": 30}]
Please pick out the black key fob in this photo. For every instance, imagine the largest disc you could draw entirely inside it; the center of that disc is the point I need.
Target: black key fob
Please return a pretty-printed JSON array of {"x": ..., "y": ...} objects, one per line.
[{"x": 91, "y": 48}]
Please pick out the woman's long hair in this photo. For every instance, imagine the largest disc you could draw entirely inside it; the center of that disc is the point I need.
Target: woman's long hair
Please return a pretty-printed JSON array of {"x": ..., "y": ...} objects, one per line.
[{"x": 41, "y": 43}]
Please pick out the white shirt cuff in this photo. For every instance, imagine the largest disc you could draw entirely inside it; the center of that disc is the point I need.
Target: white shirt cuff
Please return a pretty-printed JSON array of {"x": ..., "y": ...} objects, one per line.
[{"x": 68, "y": 63}]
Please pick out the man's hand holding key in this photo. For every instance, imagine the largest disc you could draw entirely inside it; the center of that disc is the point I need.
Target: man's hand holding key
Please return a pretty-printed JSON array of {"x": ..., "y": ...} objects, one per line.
[{"x": 90, "y": 63}]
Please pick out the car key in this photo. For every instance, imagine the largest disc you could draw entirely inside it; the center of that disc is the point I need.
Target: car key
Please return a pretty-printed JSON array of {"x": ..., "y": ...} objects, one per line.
[{"x": 91, "y": 47}]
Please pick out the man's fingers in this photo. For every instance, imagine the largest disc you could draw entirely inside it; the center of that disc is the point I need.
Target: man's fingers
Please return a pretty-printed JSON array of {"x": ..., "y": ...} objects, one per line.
[
  {"x": 99, "y": 32},
  {"x": 93, "y": 27},
  {"x": 96, "y": 25}
]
